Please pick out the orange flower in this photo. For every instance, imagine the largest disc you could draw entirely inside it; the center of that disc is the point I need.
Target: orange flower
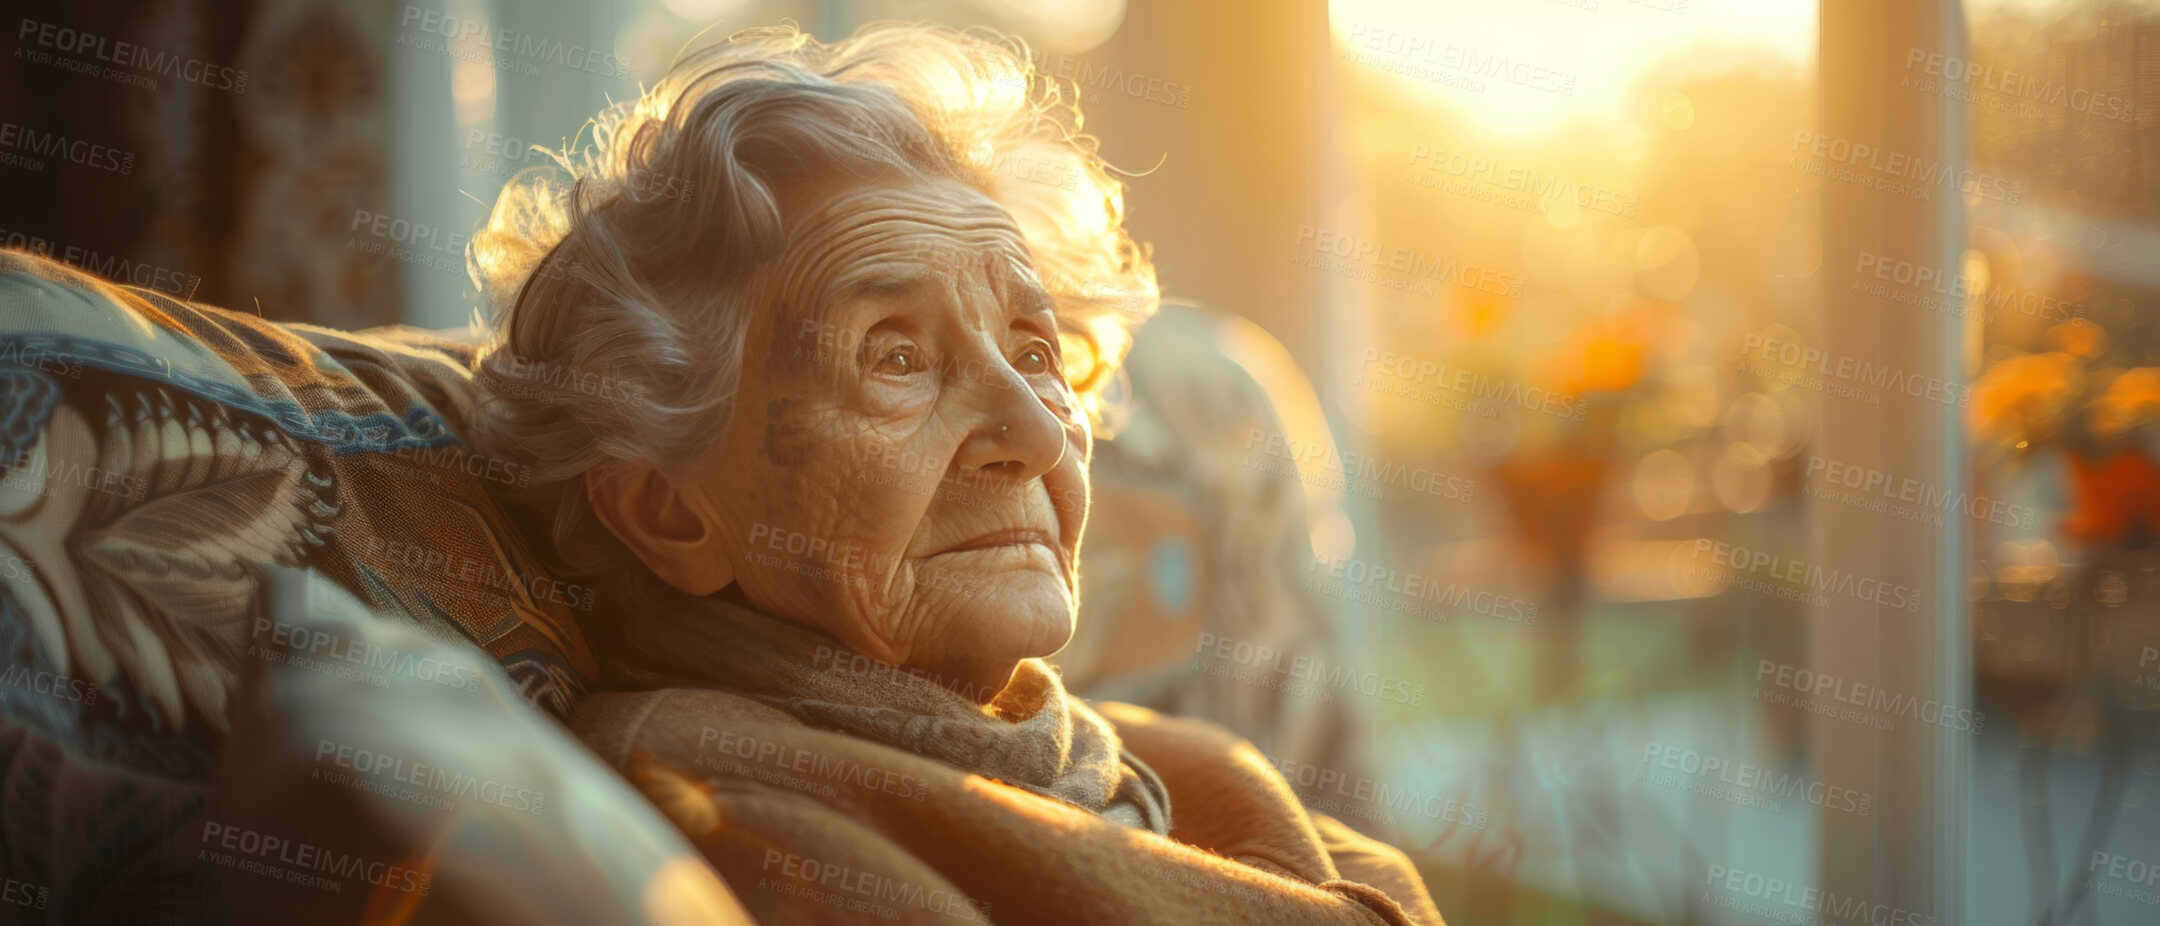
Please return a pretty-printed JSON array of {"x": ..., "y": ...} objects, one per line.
[
  {"x": 1552, "y": 499},
  {"x": 1484, "y": 313},
  {"x": 2078, "y": 338},
  {"x": 2112, "y": 496},
  {"x": 1599, "y": 361},
  {"x": 2131, "y": 400},
  {"x": 1611, "y": 364},
  {"x": 2020, "y": 399}
]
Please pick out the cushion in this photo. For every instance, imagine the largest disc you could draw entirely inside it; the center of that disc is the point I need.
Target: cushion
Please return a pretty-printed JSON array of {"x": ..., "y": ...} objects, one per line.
[
  {"x": 158, "y": 457},
  {"x": 1193, "y": 547},
  {"x": 422, "y": 797}
]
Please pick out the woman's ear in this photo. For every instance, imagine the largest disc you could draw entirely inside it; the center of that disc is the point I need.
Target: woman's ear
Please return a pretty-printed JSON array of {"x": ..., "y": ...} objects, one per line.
[{"x": 672, "y": 537}]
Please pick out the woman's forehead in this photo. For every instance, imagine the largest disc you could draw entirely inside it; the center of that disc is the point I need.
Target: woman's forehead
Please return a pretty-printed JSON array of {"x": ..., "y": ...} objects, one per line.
[
  {"x": 882, "y": 238},
  {"x": 943, "y": 217}
]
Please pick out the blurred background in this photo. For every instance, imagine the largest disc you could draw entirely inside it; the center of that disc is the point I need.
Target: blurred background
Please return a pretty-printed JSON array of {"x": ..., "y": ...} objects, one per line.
[{"x": 1725, "y": 428}]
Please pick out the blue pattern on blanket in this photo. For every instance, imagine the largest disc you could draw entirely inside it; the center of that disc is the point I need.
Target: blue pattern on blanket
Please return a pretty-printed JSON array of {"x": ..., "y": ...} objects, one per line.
[
  {"x": 343, "y": 433},
  {"x": 158, "y": 458},
  {"x": 27, "y": 398}
]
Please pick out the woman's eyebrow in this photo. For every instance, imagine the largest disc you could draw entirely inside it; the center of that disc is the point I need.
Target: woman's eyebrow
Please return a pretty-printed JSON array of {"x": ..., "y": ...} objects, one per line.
[
  {"x": 1018, "y": 286},
  {"x": 885, "y": 282},
  {"x": 1029, "y": 300},
  {"x": 1021, "y": 290}
]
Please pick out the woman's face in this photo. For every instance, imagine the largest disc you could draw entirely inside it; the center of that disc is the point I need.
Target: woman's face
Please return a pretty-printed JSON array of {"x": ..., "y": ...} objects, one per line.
[{"x": 906, "y": 466}]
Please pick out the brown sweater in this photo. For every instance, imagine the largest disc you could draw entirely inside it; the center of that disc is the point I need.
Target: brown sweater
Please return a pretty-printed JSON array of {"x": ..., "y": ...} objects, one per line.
[{"x": 814, "y": 826}]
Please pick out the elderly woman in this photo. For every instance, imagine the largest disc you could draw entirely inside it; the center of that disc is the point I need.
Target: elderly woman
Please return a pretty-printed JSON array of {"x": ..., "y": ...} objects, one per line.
[{"x": 804, "y": 361}]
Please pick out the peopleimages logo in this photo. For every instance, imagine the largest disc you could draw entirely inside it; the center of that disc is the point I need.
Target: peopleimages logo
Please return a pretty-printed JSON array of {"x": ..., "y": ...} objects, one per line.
[
  {"x": 1310, "y": 669},
  {"x": 474, "y": 572},
  {"x": 23, "y": 893},
  {"x": 1752, "y": 780},
  {"x": 409, "y": 233},
  {"x": 1048, "y": 172},
  {"x": 510, "y": 152},
  {"x": 432, "y": 777},
  {"x": 71, "y": 150},
  {"x": 1485, "y": 389},
  {"x": 263, "y": 847},
  {"x": 534, "y": 377},
  {"x": 413, "y": 242},
  {"x": 1814, "y": 577},
  {"x": 49, "y": 684},
  {"x": 110, "y": 266},
  {"x": 860, "y": 891},
  {"x": 1517, "y": 178},
  {"x": 1313, "y": 780},
  {"x": 1931, "y": 288},
  {"x": 31, "y": 470},
  {"x": 1955, "y": 71},
  {"x": 1308, "y": 459},
  {"x": 1786, "y": 361},
  {"x": 27, "y": 354},
  {"x": 1811, "y": 683},
  {"x": 1382, "y": 42},
  {"x": 849, "y": 662},
  {"x": 841, "y": 555},
  {"x": 312, "y": 644},
  {"x": 1095, "y": 80},
  {"x": 91, "y": 47},
  {"x": 2124, "y": 876},
  {"x": 1418, "y": 588},
  {"x": 1829, "y": 905},
  {"x": 429, "y": 30},
  {"x": 1877, "y": 491},
  {"x": 785, "y": 757},
  {"x": 1919, "y": 176},
  {"x": 1414, "y": 265}
]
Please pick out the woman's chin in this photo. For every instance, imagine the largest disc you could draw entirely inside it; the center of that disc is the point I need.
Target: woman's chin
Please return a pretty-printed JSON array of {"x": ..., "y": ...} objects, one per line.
[
  {"x": 991, "y": 622},
  {"x": 1018, "y": 597},
  {"x": 1023, "y": 614}
]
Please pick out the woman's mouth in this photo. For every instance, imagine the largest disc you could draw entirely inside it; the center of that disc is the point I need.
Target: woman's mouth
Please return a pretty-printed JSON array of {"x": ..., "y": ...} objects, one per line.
[{"x": 1017, "y": 537}]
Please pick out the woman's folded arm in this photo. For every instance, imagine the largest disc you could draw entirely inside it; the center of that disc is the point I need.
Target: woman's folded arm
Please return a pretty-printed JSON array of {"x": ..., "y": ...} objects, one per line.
[
  {"x": 1226, "y": 797},
  {"x": 843, "y": 808}
]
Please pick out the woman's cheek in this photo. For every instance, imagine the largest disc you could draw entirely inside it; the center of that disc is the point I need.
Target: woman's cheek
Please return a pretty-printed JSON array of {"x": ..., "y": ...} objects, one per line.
[
  {"x": 907, "y": 454},
  {"x": 897, "y": 404},
  {"x": 1068, "y": 488}
]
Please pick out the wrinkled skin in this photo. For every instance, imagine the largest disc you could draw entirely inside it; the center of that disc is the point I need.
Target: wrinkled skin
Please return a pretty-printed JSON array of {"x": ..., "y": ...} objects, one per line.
[{"x": 906, "y": 467}]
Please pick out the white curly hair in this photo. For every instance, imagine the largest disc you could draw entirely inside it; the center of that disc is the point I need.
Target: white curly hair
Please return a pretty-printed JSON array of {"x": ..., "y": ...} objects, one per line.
[{"x": 617, "y": 276}]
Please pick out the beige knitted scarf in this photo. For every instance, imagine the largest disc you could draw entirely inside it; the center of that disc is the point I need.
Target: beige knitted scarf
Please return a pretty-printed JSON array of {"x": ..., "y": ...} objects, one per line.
[{"x": 1031, "y": 735}]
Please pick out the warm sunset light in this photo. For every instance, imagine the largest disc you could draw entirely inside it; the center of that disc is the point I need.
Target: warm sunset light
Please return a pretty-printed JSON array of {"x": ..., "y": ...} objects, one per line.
[
  {"x": 1525, "y": 68},
  {"x": 712, "y": 462}
]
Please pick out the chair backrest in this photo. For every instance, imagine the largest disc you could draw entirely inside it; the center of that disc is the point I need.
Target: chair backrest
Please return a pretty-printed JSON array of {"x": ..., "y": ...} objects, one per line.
[
  {"x": 1200, "y": 541},
  {"x": 158, "y": 457}
]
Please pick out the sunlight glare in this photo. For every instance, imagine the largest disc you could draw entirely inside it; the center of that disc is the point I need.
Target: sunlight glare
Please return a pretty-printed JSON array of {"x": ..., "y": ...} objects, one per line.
[{"x": 1522, "y": 67}]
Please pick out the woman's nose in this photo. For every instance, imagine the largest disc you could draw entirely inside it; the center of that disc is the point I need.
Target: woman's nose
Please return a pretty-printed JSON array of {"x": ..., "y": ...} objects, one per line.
[{"x": 1013, "y": 431}]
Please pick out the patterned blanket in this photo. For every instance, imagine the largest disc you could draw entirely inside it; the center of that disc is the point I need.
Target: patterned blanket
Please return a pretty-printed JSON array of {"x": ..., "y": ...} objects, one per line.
[{"x": 156, "y": 457}]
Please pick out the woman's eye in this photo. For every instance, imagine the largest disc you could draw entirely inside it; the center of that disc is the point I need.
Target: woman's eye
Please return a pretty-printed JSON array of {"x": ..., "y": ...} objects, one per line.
[
  {"x": 900, "y": 361},
  {"x": 1035, "y": 360}
]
